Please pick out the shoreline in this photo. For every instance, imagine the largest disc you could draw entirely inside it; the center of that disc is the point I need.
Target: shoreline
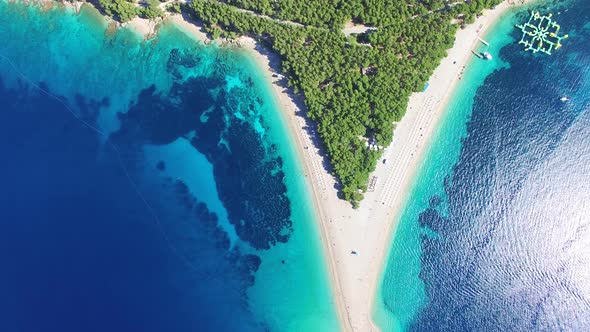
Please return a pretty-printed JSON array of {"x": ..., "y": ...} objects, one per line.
[
  {"x": 285, "y": 99},
  {"x": 369, "y": 230},
  {"x": 450, "y": 72},
  {"x": 269, "y": 62}
]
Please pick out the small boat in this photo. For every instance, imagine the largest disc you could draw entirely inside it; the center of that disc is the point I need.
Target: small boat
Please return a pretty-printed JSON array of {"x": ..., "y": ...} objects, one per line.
[
  {"x": 564, "y": 99},
  {"x": 487, "y": 55}
]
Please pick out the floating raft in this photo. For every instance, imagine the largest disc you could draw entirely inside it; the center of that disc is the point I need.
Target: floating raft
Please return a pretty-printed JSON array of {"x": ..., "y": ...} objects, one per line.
[{"x": 540, "y": 34}]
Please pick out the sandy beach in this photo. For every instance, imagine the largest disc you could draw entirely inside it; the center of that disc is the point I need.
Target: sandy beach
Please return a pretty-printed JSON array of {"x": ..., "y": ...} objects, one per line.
[
  {"x": 357, "y": 241},
  {"x": 368, "y": 231}
]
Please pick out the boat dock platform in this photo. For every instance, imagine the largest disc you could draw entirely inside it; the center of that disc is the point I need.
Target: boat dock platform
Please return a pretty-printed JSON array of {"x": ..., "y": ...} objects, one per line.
[
  {"x": 483, "y": 41},
  {"x": 477, "y": 54}
]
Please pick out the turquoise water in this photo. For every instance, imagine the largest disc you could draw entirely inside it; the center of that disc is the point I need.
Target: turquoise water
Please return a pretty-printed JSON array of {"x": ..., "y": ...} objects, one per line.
[
  {"x": 448, "y": 267},
  {"x": 293, "y": 296},
  {"x": 400, "y": 284},
  {"x": 192, "y": 136}
]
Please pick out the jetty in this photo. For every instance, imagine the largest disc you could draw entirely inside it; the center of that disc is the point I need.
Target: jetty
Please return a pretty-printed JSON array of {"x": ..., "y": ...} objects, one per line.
[
  {"x": 483, "y": 41},
  {"x": 483, "y": 55}
]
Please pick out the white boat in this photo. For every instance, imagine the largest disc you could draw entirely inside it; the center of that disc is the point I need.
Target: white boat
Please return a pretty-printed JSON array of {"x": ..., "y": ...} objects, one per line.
[
  {"x": 564, "y": 99},
  {"x": 487, "y": 56}
]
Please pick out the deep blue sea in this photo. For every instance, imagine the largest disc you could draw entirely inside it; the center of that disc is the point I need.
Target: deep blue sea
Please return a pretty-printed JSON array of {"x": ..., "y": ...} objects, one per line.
[
  {"x": 496, "y": 235},
  {"x": 146, "y": 185}
]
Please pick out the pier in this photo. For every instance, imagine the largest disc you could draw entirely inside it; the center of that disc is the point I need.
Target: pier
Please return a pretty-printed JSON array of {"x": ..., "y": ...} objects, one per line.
[{"x": 483, "y": 41}]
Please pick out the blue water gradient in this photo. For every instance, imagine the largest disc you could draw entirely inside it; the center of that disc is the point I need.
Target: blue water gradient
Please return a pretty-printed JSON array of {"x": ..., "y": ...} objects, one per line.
[
  {"x": 79, "y": 247},
  {"x": 143, "y": 187},
  {"x": 507, "y": 246}
]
